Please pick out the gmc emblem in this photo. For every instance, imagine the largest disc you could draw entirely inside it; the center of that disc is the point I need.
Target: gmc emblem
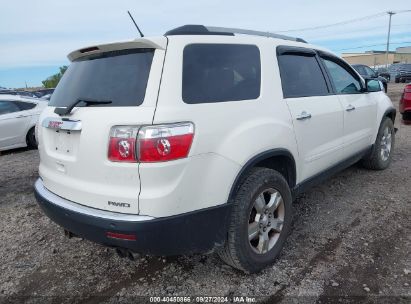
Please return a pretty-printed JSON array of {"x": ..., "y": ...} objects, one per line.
[
  {"x": 55, "y": 124},
  {"x": 116, "y": 204}
]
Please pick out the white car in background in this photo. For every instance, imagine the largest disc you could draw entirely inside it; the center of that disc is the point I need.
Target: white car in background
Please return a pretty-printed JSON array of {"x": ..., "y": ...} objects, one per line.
[{"x": 18, "y": 118}]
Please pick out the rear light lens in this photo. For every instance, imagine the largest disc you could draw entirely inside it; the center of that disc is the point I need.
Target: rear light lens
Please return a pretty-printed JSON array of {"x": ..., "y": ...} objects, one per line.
[
  {"x": 156, "y": 143},
  {"x": 122, "y": 145},
  {"x": 164, "y": 142}
]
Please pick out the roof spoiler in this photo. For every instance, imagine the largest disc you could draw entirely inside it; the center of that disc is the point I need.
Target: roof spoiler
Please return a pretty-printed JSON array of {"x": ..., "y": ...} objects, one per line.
[{"x": 152, "y": 43}]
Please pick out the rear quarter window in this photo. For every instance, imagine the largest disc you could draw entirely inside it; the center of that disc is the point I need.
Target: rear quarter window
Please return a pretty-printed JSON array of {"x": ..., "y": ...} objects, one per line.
[{"x": 220, "y": 73}]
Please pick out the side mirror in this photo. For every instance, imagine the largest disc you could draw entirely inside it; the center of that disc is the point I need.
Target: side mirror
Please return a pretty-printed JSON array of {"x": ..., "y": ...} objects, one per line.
[{"x": 374, "y": 85}]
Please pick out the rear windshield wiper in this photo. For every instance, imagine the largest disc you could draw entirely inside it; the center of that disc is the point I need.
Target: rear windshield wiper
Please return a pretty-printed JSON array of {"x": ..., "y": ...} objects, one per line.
[{"x": 88, "y": 102}]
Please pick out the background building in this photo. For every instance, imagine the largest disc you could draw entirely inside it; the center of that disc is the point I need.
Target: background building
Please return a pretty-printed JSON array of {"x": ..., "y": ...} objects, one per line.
[{"x": 378, "y": 58}]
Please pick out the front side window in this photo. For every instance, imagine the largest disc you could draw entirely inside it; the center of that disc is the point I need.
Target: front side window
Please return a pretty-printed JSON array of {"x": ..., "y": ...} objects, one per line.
[
  {"x": 360, "y": 69},
  {"x": 7, "y": 107},
  {"x": 220, "y": 73},
  {"x": 301, "y": 76},
  {"x": 369, "y": 71},
  {"x": 344, "y": 82}
]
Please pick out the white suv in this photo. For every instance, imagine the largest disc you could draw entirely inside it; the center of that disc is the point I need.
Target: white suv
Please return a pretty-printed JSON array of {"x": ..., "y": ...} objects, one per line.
[{"x": 200, "y": 140}]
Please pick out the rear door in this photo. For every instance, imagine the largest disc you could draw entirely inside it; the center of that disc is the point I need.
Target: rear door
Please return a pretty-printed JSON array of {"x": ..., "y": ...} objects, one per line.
[
  {"x": 317, "y": 113},
  {"x": 74, "y": 147},
  {"x": 360, "y": 108},
  {"x": 13, "y": 123}
]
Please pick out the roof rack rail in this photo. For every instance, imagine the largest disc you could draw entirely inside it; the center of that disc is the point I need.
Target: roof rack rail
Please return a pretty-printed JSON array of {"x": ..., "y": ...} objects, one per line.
[{"x": 213, "y": 30}]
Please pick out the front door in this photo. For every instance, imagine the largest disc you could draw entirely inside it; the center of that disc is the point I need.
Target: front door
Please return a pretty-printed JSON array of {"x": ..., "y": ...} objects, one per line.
[
  {"x": 360, "y": 109},
  {"x": 317, "y": 113}
]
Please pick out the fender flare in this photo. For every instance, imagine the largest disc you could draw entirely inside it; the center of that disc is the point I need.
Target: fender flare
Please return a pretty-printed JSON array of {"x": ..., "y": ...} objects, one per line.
[
  {"x": 390, "y": 110},
  {"x": 258, "y": 158}
]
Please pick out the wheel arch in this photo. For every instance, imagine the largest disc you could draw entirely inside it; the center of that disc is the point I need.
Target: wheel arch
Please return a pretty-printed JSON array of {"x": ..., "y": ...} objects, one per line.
[
  {"x": 279, "y": 159},
  {"x": 31, "y": 127},
  {"x": 391, "y": 113}
]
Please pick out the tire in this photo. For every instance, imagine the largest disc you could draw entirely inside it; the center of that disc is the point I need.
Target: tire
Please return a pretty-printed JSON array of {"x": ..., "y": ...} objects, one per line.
[
  {"x": 385, "y": 87},
  {"x": 377, "y": 159},
  {"x": 406, "y": 116},
  {"x": 397, "y": 80},
  {"x": 239, "y": 251},
  {"x": 31, "y": 139}
]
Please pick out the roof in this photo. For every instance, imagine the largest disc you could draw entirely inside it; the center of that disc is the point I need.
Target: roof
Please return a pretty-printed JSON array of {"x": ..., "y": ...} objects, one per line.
[
  {"x": 185, "y": 30},
  {"x": 195, "y": 29}
]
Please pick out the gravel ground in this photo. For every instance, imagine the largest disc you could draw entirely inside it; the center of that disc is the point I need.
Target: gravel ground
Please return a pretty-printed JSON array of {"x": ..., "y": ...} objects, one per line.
[{"x": 350, "y": 243}]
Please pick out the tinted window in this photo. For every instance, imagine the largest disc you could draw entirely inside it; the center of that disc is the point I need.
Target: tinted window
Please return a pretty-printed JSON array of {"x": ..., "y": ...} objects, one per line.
[
  {"x": 25, "y": 105},
  {"x": 369, "y": 71},
  {"x": 301, "y": 76},
  {"x": 360, "y": 69},
  {"x": 344, "y": 81},
  {"x": 220, "y": 72},
  {"x": 7, "y": 107},
  {"x": 118, "y": 76}
]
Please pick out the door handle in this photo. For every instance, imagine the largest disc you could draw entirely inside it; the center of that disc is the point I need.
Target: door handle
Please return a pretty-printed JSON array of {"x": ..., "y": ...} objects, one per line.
[
  {"x": 304, "y": 115},
  {"x": 350, "y": 108}
]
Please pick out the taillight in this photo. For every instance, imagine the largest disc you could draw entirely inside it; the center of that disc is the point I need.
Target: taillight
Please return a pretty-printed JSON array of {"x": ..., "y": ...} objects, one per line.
[
  {"x": 155, "y": 143},
  {"x": 122, "y": 145},
  {"x": 164, "y": 142}
]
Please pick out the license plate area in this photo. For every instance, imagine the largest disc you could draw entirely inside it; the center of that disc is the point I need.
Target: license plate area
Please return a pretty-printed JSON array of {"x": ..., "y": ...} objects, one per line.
[{"x": 63, "y": 142}]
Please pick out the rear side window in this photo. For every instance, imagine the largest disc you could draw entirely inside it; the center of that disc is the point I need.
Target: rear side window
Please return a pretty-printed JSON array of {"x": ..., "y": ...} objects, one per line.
[
  {"x": 220, "y": 72},
  {"x": 118, "y": 76},
  {"x": 7, "y": 107},
  {"x": 24, "y": 106},
  {"x": 301, "y": 76}
]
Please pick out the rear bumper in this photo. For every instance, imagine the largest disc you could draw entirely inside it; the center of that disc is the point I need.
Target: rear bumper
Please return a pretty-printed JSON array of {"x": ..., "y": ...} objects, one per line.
[{"x": 192, "y": 232}]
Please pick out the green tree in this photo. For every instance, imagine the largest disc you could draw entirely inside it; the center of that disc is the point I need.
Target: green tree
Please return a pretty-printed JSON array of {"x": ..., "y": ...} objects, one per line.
[{"x": 53, "y": 80}]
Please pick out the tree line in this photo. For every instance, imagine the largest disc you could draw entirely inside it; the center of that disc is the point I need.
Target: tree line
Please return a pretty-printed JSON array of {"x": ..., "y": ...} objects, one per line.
[{"x": 53, "y": 80}]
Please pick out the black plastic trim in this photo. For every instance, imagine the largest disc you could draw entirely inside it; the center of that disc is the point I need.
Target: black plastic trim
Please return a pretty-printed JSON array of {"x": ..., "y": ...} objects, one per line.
[
  {"x": 193, "y": 232},
  {"x": 258, "y": 158},
  {"x": 390, "y": 110},
  {"x": 294, "y": 50},
  {"x": 193, "y": 29}
]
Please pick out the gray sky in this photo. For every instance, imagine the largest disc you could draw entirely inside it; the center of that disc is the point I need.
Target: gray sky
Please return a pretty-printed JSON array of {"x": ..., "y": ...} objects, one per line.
[{"x": 40, "y": 33}]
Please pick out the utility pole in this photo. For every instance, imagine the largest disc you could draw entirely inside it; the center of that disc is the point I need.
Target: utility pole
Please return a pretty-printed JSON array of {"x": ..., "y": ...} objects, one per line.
[{"x": 388, "y": 38}]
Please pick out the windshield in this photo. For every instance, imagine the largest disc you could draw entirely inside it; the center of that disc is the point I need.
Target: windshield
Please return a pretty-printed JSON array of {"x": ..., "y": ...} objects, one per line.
[{"x": 119, "y": 76}]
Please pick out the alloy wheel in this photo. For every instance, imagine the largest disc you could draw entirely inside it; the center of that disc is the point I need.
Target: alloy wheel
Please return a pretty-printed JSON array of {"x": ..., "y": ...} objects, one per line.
[{"x": 266, "y": 221}]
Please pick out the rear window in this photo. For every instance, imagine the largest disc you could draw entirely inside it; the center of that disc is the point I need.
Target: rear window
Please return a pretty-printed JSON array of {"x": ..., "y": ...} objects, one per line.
[
  {"x": 301, "y": 76},
  {"x": 118, "y": 76},
  {"x": 221, "y": 72}
]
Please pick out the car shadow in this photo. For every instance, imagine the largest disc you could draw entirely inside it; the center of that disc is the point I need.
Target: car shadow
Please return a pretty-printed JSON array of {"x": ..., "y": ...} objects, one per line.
[{"x": 15, "y": 151}]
